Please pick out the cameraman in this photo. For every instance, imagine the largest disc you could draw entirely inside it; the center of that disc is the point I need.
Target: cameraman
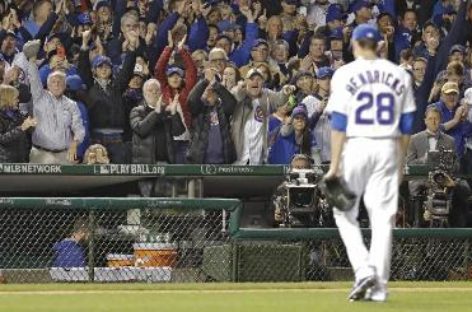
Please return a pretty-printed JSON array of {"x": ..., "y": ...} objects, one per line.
[
  {"x": 299, "y": 162},
  {"x": 429, "y": 140}
]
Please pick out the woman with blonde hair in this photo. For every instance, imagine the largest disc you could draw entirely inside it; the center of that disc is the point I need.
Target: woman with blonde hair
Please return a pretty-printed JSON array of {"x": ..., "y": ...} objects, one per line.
[
  {"x": 96, "y": 154},
  {"x": 14, "y": 134}
]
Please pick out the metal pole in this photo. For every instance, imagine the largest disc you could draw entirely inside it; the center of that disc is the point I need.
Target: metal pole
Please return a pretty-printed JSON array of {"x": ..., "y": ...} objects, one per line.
[
  {"x": 235, "y": 264},
  {"x": 191, "y": 188},
  {"x": 91, "y": 245}
]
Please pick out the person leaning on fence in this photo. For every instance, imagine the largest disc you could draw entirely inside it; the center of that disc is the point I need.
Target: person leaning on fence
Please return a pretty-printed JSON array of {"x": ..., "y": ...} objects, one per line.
[
  {"x": 96, "y": 154},
  {"x": 68, "y": 253},
  {"x": 14, "y": 128},
  {"x": 59, "y": 129}
]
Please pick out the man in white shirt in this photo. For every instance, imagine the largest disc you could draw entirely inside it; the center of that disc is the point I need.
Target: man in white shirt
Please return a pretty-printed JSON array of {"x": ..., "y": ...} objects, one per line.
[{"x": 250, "y": 118}]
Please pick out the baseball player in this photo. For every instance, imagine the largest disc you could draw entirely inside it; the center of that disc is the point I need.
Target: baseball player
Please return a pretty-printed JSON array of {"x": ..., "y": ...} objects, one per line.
[{"x": 372, "y": 110}]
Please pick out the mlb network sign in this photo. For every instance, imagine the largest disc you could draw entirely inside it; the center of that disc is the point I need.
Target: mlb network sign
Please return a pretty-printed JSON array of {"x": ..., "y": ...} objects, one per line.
[{"x": 30, "y": 168}]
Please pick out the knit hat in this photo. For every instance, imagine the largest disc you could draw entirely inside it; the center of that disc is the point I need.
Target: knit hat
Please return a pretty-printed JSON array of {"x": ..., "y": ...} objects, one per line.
[
  {"x": 175, "y": 70},
  {"x": 300, "y": 110}
]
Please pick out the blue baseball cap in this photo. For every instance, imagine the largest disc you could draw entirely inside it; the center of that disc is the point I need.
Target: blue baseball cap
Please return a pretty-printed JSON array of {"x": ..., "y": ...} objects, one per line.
[
  {"x": 359, "y": 4},
  {"x": 336, "y": 34},
  {"x": 366, "y": 31},
  {"x": 171, "y": 70},
  {"x": 333, "y": 13},
  {"x": 100, "y": 60},
  {"x": 225, "y": 25},
  {"x": 324, "y": 72},
  {"x": 74, "y": 83},
  {"x": 84, "y": 19}
]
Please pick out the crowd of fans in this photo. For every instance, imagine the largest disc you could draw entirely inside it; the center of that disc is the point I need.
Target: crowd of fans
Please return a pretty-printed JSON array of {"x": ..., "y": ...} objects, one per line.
[{"x": 211, "y": 81}]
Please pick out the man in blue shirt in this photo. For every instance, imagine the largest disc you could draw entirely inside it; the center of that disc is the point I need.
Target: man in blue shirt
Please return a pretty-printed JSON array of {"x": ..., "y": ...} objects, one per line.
[
  {"x": 454, "y": 116},
  {"x": 68, "y": 252}
]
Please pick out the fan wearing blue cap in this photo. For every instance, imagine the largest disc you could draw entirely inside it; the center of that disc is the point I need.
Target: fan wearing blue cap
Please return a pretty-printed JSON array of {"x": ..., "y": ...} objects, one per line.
[
  {"x": 109, "y": 123},
  {"x": 335, "y": 19},
  {"x": 323, "y": 79},
  {"x": 259, "y": 55},
  {"x": 293, "y": 138},
  {"x": 405, "y": 33},
  {"x": 362, "y": 12}
]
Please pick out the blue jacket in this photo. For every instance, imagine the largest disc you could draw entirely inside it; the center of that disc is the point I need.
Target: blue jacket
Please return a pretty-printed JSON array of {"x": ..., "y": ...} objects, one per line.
[
  {"x": 284, "y": 148},
  {"x": 459, "y": 132},
  {"x": 241, "y": 55},
  {"x": 68, "y": 254},
  {"x": 86, "y": 122},
  {"x": 198, "y": 35},
  {"x": 160, "y": 41},
  {"x": 402, "y": 40}
]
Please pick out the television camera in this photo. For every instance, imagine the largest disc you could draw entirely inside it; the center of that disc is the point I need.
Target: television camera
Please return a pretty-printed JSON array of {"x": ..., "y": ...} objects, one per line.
[
  {"x": 440, "y": 184},
  {"x": 298, "y": 201}
]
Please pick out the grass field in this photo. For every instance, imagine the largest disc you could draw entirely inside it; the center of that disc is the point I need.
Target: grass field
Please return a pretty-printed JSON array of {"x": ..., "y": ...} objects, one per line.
[{"x": 286, "y": 297}]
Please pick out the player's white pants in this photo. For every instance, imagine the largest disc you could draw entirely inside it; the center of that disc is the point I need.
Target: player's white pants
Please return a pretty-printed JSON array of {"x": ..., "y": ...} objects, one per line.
[{"x": 370, "y": 167}]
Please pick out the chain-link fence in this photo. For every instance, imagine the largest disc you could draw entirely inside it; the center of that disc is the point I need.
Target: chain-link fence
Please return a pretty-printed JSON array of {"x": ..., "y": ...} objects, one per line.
[
  {"x": 109, "y": 241},
  {"x": 326, "y": 260},
  {"x": 171, "y": 240}
]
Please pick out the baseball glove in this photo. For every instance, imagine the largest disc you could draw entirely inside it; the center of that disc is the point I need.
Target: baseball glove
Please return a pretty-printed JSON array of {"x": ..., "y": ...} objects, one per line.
[{"x": 337, "y": 193}]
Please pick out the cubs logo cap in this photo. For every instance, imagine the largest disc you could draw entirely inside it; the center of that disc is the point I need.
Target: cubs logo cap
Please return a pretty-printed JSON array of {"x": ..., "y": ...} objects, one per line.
[{"x": 366, "y": 31}]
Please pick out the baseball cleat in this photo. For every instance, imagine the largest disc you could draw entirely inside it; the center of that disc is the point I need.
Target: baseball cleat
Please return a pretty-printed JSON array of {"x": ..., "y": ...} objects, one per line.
[{"x": 360, "y": 288}]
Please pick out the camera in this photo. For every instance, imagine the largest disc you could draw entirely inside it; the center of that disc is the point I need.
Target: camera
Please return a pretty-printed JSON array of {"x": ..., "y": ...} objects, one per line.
[
  {"x": 439, "y": 188},
  {"x": 298, "y": 201}
]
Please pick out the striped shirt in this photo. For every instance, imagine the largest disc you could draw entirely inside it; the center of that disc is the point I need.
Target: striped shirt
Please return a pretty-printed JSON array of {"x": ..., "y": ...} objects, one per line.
[{"x": 59, "y": 120}]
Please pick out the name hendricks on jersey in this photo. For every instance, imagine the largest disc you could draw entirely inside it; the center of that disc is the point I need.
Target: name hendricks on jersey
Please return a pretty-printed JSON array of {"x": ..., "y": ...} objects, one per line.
[{"x": 375, "y": 76}]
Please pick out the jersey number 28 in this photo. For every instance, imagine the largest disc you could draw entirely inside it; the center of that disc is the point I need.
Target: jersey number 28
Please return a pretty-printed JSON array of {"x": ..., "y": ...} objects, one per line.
[{"x": 384, "y": 108}]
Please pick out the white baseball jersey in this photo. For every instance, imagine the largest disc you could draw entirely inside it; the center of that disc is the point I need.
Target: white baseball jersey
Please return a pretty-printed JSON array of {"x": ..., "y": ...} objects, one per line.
[{"x": 372, "y": 94}]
